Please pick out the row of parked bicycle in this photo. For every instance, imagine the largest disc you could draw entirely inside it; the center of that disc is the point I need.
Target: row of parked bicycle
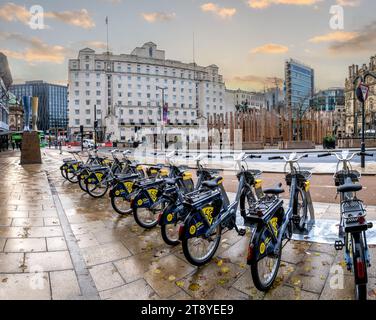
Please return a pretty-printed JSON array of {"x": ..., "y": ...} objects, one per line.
[{"x": 196, "y": 214}]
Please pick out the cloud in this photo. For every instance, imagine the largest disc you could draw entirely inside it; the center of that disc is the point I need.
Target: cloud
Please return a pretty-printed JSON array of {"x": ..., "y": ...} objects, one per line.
[
  {"x": 152, "y": 17},
  {"x": 79, "y": 18},
  {"x": 363, "y": 40},
  {"x": 36, "y": 50},
  {"x": 223, "y": 13},
  {"x": 262, "y": 4},
  {"x": 249, "y": 82},
  {"x": 11, "y": 12},
  {"x": 349, "y": 3},
  {"x": 271, "y": 48},
  {"x": 94, "y": 44},
  {"x": 338, "y": 36}
]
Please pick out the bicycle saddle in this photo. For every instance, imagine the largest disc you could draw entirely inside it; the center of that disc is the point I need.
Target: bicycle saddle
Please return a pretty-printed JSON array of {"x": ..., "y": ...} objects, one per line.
[
  {"x": 350, "y": 187},
  {"x": 212, "y": 183},
  {"x": 275, "y": 190}
]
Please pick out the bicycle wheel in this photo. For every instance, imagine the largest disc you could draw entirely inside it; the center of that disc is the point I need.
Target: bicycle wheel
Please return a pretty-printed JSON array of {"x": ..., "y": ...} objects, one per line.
[
  {"x": 360, "y": 266},
  {"x": 147, "y": 217},
  {"x": 97, "y": 190},
  {"x": 246, "y": 199},
  {"x": 72, "y": 177},
  {"x": 121, "y": 205},
  {"x": 265, "y": 270},
  {"x": 82, "y": 184},
  {"x": 199, "y": 250},
  {"x": 64, "y": 173},
  {"x": 170, "y": 234},
  {"x": 300, "y": 210}
]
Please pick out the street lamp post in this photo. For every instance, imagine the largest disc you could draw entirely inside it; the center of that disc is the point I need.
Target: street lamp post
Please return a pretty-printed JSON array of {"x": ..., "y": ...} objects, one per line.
[
  {"x": 163, "y": 142},
  {"x": 95, "y": 127},
  {"x": 363, "y": 79}
]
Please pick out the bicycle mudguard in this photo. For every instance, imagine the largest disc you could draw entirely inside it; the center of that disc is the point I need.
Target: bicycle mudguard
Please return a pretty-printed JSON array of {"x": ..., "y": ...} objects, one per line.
[
  {"x": 95, "y": 177},
  {"x": 122, "y": 189},
  {"x": 195, "y": 225},
  {"x": 147, "y": 197},
  {"x": 263, "y": 242},
  {"x": 170, "y": 214}
]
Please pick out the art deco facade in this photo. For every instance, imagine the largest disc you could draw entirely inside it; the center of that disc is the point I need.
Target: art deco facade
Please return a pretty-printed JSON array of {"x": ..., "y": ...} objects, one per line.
[
  {"x": 353, "y": 107},
  {"x": 124, "y": 91}
]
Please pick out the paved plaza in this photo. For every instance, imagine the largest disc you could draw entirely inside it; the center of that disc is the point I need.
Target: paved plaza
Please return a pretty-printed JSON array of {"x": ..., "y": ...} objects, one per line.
[{"x": 58, "y": 243}]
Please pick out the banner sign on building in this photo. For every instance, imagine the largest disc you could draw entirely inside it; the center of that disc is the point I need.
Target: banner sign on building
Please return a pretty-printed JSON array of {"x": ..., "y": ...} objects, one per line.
[{"x": 165, "y": 113}]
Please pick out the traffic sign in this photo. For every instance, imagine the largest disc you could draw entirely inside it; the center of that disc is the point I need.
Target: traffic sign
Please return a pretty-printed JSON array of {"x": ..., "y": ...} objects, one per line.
[{"x": 362, "y": 92}]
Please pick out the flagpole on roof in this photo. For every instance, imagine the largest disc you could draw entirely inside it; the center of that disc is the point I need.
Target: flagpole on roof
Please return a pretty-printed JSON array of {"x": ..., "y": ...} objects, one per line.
[{"x": 107, "y": 33}]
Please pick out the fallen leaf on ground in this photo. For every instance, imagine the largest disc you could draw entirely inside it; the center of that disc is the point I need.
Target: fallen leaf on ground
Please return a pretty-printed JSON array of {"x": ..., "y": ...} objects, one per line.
[
  {"x": 225, "y": 270},
  {"x": 180, "y": 283},
  {"x": 194, "y": 286},
  {"x": 171, "y": 278}
]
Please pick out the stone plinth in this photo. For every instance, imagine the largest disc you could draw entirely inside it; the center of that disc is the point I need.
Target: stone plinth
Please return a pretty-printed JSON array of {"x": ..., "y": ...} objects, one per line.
[
  {"x": 290, "y": 145},
  {"x": 30, "y": 151}
]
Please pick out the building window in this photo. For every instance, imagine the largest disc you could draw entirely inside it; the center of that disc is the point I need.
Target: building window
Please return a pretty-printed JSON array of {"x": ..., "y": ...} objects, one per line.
[
  {"x": 77, "y": 122},
  {"x": 88, "y": 122}
]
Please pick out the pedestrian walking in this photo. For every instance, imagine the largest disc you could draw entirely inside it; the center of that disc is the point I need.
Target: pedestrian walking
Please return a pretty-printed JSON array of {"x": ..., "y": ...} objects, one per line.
[{"x": 13, "y": 145}]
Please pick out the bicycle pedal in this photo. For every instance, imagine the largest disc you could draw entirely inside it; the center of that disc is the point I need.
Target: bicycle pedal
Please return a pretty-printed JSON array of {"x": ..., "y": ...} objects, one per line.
[{"x": 338, "y": 245}]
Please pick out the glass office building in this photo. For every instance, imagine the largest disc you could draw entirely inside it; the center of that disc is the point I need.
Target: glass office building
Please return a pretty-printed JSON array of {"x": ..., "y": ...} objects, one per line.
[
  {"x": 328, "y": 100},
  {"x": 299, "y": 86},
  {"x": 53, "y": 103}
]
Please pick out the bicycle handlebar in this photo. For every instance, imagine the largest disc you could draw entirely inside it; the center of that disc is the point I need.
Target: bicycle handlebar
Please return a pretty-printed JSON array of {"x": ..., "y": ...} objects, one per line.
[
  {"x": 324, "y": 155},
  {"x": 275, "y": 158},
  {"x": 365, "y": 154}
]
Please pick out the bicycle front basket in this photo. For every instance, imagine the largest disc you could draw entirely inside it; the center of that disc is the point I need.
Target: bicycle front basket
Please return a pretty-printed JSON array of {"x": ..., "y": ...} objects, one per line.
[{"x": 340, "y": 177}]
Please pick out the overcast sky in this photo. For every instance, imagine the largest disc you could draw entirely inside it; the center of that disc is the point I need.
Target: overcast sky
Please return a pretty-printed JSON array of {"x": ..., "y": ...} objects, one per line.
[{"x": 248, "y": 39}]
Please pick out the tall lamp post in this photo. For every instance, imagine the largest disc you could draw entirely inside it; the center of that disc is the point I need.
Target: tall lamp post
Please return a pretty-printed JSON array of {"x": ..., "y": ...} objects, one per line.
[
  {"x": 163, "y": 142},
  {"x": 362, "y": 99}
]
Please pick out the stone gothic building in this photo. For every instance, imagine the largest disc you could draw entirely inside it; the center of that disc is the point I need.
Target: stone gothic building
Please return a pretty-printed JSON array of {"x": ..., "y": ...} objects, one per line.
[{"x": 353, "y": 106}]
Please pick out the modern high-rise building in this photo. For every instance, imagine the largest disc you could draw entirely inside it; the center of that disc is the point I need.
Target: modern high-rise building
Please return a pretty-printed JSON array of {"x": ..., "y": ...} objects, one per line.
[
  {"x": 299, "y": 87},
  {"x": 53, "y": 103},
  {"x": 125, "y": 91}
]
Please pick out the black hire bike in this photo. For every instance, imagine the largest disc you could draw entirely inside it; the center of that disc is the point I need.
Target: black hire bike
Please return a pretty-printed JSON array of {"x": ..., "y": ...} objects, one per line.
[
  {"x": 99, "y": 179},
  {"x": 147, "y": 202},
  {"x": 174, "y": 211},
  {"x": 210, "y": 212},
  {"x": 353, "y": 224},
  {"x": 271, "y": 224}
]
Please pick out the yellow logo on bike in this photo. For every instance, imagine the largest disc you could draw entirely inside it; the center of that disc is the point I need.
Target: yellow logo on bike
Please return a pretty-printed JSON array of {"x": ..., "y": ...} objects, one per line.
[
  {"x": 262, "y": 248},
  {"x": 208, "y": 212},
  {"x": 99, "y": 176},
  {"x": 274, "y": 223},
  {"x": 170, "y": 216},
  {"x": 192, "y": 230},
  {"x": 140, "y": 202},
  {"x": 153, "y": 194},
  {"x": 129, "y": 186},
  {"x": 307, "y": 186}
]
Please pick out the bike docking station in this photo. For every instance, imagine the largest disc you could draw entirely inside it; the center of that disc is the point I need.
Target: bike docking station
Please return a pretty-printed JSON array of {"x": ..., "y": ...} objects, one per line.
[
  {"x": 30, "y": 148},
  {"x": 311, "y": 222}
]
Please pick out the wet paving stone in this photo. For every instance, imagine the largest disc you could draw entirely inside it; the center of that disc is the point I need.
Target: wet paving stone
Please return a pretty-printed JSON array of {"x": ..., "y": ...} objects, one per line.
[
  {"x": 25, "y": 245},
  {"x": 137, "y": 290},
  {"x": 11, "y": 262},
  {"x": 27, "y": 286},
  {"x": 106, "y": 276},
  {"x": 48, "y": 261},
  {"x": 56, "y": 244},
  {"x": 64, "y": 285},
  {"x": 105, "y": 253}
]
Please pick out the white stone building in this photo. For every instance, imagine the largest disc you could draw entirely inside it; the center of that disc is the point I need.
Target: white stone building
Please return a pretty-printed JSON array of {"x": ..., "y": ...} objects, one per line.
[
  {"x": 254, "y": 100},
  {"x": 124, "y": 91}
]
